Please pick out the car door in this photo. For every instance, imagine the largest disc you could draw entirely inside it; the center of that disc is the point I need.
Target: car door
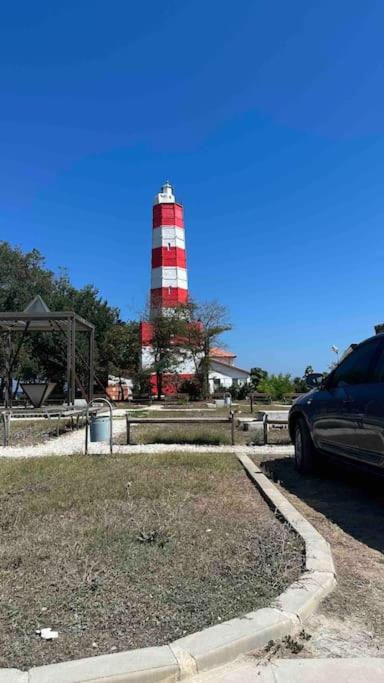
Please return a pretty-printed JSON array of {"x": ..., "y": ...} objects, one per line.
[
  {"x": 335, "y": 426},
  {"x": 370, "y": 427}
]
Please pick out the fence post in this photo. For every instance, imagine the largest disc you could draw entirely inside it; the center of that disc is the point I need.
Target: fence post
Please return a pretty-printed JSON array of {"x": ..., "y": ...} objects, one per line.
[
  {"x": 233, "y": 428},
  {"x": 251, "y": 397},
  {"x": 8, "y": 421},
  {"x": 128, "y": 429},
  {"x": 5, "y": 438},
  {"x": 265, "y": 426}
]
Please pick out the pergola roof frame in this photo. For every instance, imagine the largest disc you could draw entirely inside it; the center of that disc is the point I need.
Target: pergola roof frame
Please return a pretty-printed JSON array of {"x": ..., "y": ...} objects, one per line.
[{"x": 16, "y": 321}]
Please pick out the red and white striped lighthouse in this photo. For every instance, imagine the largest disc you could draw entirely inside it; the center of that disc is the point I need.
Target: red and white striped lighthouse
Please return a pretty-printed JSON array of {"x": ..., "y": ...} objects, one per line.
[{"x": 169, "y": 281}]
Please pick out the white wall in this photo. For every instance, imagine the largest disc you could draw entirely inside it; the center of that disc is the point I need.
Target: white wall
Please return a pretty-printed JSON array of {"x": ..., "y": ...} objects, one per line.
[
  {"x": 186, "y": 367},
  {"x": 226, "y": 375}
]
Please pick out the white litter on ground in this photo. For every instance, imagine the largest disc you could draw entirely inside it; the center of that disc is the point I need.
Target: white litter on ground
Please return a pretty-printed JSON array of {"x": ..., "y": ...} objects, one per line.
[{"x": 47, "y": 633}]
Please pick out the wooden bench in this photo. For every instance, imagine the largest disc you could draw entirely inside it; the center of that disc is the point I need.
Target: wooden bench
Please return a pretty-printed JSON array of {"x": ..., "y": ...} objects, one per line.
[
  {"x": 289, "y": 398},
  {"x": 176, "y": 399},
  {"x": 143, "y": 399},
  {"x": 273, "y": 417},
  {"x": 258, "y": 397}
]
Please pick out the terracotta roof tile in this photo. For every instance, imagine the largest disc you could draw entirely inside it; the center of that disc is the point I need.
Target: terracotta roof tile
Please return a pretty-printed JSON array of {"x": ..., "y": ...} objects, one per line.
[{"x": 221, "y": 353}]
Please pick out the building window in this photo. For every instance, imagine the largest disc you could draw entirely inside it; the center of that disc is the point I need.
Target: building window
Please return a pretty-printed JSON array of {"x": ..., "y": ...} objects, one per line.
[
  {"x": 216, "y": 383},
  {"x": 235, "y": 382}
]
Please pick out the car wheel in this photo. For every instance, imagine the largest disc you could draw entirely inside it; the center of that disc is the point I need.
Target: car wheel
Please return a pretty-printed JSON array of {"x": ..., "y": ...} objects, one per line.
[{"x": 305, "y": 451}]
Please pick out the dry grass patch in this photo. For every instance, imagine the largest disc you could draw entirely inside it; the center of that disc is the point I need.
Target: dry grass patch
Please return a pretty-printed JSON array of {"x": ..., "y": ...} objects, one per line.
[
  {"x": 125, "y": 552},
  {"x": 24, "y": 432},
  {"x": 198, "y": 435}
]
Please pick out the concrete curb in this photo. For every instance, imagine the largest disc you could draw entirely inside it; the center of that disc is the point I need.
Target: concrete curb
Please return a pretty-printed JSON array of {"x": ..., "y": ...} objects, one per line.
[{"x": 218, "y": 644}]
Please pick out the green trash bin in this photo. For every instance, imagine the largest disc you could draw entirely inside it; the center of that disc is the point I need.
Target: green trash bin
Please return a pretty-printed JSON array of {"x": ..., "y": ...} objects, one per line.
[{"x": 100, "y": 428}]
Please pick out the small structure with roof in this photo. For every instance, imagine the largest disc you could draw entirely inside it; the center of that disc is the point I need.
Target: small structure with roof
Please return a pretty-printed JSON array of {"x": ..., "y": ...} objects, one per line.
[{"x": 36, "y": 317}]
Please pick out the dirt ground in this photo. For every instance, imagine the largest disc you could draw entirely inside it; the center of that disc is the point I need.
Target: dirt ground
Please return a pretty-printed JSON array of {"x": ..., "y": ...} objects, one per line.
[
  {"x": 123, "y": 552},
  {"x": 347, "y": 508},
  {"x": 24, "y": 432}
]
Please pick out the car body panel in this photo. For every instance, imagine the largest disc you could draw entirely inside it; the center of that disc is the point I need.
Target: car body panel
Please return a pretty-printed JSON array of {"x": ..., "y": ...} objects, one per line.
[{"x": 347, "y": 419}]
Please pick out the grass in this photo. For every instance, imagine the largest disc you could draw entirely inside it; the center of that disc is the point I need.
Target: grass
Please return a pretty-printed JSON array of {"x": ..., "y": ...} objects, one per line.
[
  {"x": 198, "y": 435},
  {"x": 124, "y": 552}
]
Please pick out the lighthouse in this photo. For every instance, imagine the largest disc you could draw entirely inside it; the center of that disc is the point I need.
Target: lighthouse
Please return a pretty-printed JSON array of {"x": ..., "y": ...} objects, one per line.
[{"x": 169, "y": 280}]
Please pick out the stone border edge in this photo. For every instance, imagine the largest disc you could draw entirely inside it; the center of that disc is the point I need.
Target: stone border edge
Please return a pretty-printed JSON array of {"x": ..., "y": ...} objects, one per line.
[{"x": 217, "y": 644}]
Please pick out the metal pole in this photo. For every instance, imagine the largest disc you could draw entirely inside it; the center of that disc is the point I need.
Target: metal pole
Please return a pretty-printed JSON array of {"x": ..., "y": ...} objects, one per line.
[
  {"x": 86, "y": 429},
  {"x": 128, "y": 429},
  {"x": 233, "y": 428},
  {"x": 251, "y": 397}
]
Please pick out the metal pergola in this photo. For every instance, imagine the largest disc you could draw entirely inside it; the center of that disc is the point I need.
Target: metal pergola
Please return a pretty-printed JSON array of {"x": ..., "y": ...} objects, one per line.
[{"x": 38, "y": 318}]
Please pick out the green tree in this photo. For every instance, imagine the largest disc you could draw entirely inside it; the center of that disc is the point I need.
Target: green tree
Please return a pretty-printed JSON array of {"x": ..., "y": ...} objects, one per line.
[
  {"x": 276, "y": 386},
  {"x": 300, "y": 385},
  {"x": 23, "y": 276},
  {"x": 256, "y": 376},
  {"x": 169, "y": 331},
  {"x": 120, "y": 350},
  {"x": 208, "y": 322}
]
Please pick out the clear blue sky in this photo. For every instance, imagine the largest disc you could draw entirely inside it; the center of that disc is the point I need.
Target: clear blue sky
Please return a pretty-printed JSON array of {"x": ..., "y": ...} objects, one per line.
[{"x": 268, "y": 118}]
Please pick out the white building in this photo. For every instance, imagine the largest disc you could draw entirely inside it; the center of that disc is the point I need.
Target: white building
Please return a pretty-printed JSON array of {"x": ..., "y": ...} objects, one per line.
[{"x": 223, "y": 374}]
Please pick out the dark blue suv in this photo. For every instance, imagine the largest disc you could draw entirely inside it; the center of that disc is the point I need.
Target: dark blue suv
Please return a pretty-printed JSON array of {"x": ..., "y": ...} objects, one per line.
[{"x": 344, "y": 415}]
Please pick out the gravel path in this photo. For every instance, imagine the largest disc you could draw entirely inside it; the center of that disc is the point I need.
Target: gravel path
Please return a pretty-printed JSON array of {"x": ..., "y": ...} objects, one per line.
[{"x": 73, "y": 443}]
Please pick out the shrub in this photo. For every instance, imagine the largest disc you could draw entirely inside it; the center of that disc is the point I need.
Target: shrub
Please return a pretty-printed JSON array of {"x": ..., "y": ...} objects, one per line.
[
  {"x": 239, "y": 393},
  {"x": 192, "y": 387},
  {"x": 202, "y": 438},
  {"x": 276, "y": 386}
]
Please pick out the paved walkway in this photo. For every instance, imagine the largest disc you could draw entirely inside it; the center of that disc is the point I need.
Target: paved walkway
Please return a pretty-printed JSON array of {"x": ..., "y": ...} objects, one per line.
[{"x": 249, "y": 670}]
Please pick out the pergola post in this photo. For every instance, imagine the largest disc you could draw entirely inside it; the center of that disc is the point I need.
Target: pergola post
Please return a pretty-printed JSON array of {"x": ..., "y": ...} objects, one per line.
[
  {"x": 73, "y": 359},
  {"x": 91, "y": 376},
  {"x": 69, "y": 355},
  {"x": 8, "y": 372}
]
